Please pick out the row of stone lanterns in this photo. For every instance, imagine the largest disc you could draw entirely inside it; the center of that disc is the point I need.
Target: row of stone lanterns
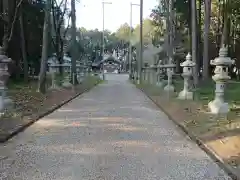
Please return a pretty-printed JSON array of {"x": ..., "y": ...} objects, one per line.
[
  {"x": 5, "y": 101},
  {"x": 66, "y": 82},
  {"x": 221, "y": 63}
]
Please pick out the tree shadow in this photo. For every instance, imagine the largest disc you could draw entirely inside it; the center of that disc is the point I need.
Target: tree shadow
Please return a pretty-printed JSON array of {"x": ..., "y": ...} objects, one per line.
[{"x": 105, "y": 148}]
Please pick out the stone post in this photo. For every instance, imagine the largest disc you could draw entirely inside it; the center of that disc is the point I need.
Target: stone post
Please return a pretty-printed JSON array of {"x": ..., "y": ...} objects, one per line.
[
  {"x": 170, "y": 70},
  {"x": 78, "y": 72},
  {"x": 188, "y": 66},
  {"x": 143, "y": 74},
  {"x": 218, "y": 106},
  {"x": 151, "y": 74},
  {"x": 147, "y": 74},
  {"x": 159, "y": 73},
  {"x": 5, "y": 102},
  {"x": 82, "y": 73}
]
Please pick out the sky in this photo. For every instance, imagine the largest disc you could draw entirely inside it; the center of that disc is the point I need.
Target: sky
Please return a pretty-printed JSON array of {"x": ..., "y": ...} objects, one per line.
[{"x": 89, "y": 13}]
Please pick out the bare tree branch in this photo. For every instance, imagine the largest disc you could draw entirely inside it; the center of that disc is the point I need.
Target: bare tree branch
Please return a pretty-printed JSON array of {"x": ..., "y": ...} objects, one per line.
[{"x": 14, "y": 19}]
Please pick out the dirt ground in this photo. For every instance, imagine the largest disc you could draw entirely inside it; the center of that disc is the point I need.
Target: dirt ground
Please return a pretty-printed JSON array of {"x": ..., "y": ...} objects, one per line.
[
  {"x": 221, "y": 134},
  {"x": 29, "y": 104}
]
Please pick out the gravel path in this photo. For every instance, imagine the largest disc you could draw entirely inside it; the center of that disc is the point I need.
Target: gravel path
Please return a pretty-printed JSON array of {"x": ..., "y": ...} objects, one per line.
[{"x": 113, "y": 132}]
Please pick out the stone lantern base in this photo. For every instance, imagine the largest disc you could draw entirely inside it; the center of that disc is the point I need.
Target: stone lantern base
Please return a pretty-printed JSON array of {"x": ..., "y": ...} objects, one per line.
[
  {"x": 185, "y": 95},
  {"x": 218, "y": 107},
  {"x": 159, "y": 84},
  {"x": 169, "y": 88},
  {"x": 101, "y": 76},
  {"x": 54, "y": 86},
  {"x": 8, "y": 103},
  {"x": 66, "y": 82},
  {"x": 5, "y": 101}
]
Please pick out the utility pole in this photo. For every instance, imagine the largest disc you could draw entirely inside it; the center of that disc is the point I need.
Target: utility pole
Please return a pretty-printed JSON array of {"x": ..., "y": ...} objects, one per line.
[
  {"x": 130, "y": 43},
  {"x": 141, "y": 44},
  {"x": 103, "y": 24},
  {"x": 73, "y": 44}
]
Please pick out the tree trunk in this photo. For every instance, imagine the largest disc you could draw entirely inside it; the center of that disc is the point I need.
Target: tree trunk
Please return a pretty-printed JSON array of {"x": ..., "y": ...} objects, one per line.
[
  {"x": 73, "y": 45},
  {"x": 194, "y": 41},
  {"x": 23, "y": 48},
  {"x": 218, "y": 37},
  {"x": 43, "y": 68},
  {"x": 190, "y": 25},
  {"x": 6, "y": 21},
  {"x": 199, "y": 37},
  {"x": 207, "y": 12},
  {"x": 225, "y": 24},
  {"x": 167, "y": 25}
]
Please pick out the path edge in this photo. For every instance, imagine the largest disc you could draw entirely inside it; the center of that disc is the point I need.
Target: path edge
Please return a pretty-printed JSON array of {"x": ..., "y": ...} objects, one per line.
[
  {"x": 41, "y": 115},
  {"x": 219, "y": 161}
]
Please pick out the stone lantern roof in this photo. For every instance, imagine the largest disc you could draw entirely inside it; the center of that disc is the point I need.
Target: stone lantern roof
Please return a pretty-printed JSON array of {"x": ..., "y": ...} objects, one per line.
[
  {"x": 188, "y": 62},
  {"x": 222, "y": 59}
]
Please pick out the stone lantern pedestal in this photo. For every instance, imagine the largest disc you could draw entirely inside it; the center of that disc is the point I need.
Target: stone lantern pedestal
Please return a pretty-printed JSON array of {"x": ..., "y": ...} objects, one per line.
[
  {"x": 66, "y": 82},
  {"x": 53, "y": 70},
  {"x": 5, "y": 102},
  {"x": 187, "y": 65},
  {"x": 82, "y": 75},
  {"x": 170, "y": 70},
  {"x": 144, "y": 74},
  {"x": 160, "y": 71},
  {"x": 218, "y": 106},
  {"x": 147, "y": 75},
  {"x": 151, "y": 74}
]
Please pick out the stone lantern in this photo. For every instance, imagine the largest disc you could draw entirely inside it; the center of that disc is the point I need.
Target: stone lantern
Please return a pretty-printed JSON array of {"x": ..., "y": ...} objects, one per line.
[
  {"x": 187, "y": 74},
  {"x": 160, "y": 72},
  {"x": 170, "y": 70},
  {"x": 53, "y": 68},
  {"x": 67, "y": 78},
  {"x": 4, "y": 76},
  {"x": 218, "y": 106}
]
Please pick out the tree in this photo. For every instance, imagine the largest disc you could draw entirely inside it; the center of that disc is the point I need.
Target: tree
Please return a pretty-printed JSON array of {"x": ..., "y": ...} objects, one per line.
[
  {"x": 59, "y": 14},
  {"x": 73, "y": 44},
  {"x": 207, "y": 10},
  {"x": 123, "y": 32},
  {"x": 23, "y": 46},
  {"x": 158, "y": 21},
  {"x": 148, "y": 31},
  {"x": 45, "y": 44}
]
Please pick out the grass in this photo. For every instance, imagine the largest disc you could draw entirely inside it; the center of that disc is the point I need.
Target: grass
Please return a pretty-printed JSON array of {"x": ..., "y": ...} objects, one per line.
[
  {"x": 29, "y": 104},
  {"x": 194, "y": 115}
]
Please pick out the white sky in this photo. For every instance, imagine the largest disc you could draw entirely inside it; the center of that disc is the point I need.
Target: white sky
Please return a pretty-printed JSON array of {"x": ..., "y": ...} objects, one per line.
[{"x": 89, "y": 13}]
